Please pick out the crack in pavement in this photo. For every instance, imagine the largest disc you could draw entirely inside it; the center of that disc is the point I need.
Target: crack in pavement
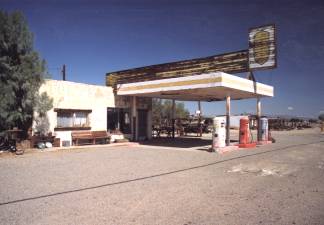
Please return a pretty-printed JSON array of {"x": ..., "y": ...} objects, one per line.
[{"x": 153, "y": 176}]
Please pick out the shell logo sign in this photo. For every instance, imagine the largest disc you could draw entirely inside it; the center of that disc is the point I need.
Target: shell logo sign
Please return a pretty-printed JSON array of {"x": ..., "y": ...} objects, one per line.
[
  {"x": 262, "y": 48},
  {"x": 261, "y": 52}
]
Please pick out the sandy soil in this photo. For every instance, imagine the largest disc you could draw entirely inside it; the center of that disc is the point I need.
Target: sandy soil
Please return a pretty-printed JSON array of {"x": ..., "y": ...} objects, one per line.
[{"x": 281, "y": 183}]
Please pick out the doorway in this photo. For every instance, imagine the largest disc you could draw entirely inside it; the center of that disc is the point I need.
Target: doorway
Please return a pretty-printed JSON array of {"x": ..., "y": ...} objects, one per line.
[
  {"x": 142, "y": 124},
  {"x": 118, "y": 119}
]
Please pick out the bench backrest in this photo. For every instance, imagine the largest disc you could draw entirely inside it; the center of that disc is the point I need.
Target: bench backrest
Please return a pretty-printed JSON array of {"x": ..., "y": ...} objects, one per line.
[
  {"x": 76, "y": 134},
  {"x": 90, "y": 134},
  {"x": 99, "y": 134}
]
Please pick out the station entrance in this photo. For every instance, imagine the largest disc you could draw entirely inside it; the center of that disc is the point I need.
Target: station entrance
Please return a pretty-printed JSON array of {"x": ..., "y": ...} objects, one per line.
[
  {"x": 201, "y": 79},
  {"x": 205, "y": 87}
]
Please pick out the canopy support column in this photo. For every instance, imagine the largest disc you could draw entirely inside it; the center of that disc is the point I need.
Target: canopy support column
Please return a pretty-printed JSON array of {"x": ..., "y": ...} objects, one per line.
[
  {"x": 173, "y": 118},
  {"x": 199, "y": 119},
  {"x": 258, "y": 118},
  {"x": 134, "y": 133},
  {"x": 228, "y": 112}
]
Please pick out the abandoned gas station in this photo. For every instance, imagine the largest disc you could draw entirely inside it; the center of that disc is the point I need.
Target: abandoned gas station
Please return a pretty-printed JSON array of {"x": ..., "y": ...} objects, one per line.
[
  {"x": 124, "y": 106},
  {"x": 203, "y": 79}
]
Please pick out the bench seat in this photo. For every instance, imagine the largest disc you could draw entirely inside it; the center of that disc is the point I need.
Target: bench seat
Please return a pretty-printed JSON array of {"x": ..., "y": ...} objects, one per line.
[{"x": 91, "y": 136}]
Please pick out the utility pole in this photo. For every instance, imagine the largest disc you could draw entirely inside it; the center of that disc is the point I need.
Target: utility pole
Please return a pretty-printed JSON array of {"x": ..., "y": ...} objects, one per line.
[{"x": 63, "y": 71}]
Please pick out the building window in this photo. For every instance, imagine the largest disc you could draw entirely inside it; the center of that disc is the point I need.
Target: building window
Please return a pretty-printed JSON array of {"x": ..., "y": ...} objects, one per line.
[
  {"x": 119, "y": 119},
  {"x": 72, "y": 119}
]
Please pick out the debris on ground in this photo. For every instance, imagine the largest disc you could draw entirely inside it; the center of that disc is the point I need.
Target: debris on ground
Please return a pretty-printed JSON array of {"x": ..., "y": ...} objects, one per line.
[{"x": 254, "y": 169}]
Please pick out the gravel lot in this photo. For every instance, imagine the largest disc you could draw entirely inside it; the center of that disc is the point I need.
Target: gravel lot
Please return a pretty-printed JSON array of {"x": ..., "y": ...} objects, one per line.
[{"x": 281, "y": 183}]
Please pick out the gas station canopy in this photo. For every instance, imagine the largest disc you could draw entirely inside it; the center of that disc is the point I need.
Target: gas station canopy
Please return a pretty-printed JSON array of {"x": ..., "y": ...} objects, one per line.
[
  {"x": 204, "y": 87},
  {"x": 204, "y": 79}
]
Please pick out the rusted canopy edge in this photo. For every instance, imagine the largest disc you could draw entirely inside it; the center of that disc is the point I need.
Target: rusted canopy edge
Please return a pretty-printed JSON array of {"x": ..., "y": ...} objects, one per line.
[{"x": 234, "y": 62}]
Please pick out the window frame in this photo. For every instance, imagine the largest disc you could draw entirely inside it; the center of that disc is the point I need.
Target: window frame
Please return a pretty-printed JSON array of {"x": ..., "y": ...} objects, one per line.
[{"x": 72, "y": 112}]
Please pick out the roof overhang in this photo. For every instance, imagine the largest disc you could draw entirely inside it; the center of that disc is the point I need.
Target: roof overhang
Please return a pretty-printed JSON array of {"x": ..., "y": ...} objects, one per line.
[{"x": 204, "y": 87}]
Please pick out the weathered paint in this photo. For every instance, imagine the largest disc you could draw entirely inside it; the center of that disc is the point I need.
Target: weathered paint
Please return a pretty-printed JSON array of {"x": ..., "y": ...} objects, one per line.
[
  {"x": 234, "y": 62},
  {"x": 95, "y": 99},
  {"x": 71, "y": 95},
  {"x": 199, "y": 87},
  {"x": 262, "y": 48},
  {"x": 260, "y": 55}
]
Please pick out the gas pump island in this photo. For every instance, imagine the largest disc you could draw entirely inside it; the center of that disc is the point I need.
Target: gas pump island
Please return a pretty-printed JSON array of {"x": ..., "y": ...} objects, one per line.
[{"x": 207, "y": 79}]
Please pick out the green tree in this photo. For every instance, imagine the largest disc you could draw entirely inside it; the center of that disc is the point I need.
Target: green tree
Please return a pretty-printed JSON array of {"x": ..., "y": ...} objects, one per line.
[
  {"x": 157, "y": 108},
  {"x": 321, "y": 117},
  {"x": 181, "y": 111},
  {"x": 22, "y": 72},
  {"x": 162, "y": 109}
]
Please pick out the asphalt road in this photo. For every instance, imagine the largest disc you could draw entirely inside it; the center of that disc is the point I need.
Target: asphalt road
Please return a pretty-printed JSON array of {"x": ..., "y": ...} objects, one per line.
[{"x": 282, "y": 183}]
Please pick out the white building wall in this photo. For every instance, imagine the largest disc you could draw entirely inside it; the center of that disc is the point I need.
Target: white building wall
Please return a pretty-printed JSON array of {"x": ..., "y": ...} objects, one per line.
[{"x": 71, "y": 95}]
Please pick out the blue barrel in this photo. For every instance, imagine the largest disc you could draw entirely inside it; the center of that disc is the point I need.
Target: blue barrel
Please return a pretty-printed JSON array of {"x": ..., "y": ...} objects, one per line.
[{"x": 264, "y": 129}]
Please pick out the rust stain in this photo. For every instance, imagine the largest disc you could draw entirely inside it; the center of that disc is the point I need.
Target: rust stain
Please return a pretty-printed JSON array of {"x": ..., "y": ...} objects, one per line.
[
  {"x": 260, "y": 55},
  {"x": 234, "y": 62},
  {"x": 261, "y": 47}
]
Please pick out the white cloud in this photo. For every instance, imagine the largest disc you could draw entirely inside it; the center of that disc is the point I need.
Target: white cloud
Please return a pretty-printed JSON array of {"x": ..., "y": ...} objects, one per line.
[{"x": 290, "y": 108}]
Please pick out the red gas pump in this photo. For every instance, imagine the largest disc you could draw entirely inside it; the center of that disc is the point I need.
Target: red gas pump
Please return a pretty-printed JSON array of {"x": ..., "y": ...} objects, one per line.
[
  {"x": 244, "y": 135},
  {"x": 244, "y": 131}
]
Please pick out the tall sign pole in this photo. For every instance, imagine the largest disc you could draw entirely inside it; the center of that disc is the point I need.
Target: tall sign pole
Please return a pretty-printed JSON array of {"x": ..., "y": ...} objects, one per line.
[
  {"x": 262, "y": 55},
  {"x": 199, "y": 119},
  {"x": 228, "y": 118},
  {"x": 259, "y": 134},
  {"x": 173, "y": 118}
]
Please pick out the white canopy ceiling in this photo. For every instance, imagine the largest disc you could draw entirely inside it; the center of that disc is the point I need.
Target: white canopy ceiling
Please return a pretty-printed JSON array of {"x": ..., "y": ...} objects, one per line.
[{"x": 205, "y": 87}]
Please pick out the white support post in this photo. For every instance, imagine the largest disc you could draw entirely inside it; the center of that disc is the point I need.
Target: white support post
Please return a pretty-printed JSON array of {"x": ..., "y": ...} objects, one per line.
[
  {"x": 134, "y": 121},
  {"x": 228, "y": 116},
  {"x": 173, "y": 118},
  {"x": 199, "y": 119},
  {"x": 149, "y": 121},
  {"x": 258, "y": 118}
]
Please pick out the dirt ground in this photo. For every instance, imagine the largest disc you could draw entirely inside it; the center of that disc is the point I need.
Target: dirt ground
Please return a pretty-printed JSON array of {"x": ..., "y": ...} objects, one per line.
[{"x": 281, "y": 183}]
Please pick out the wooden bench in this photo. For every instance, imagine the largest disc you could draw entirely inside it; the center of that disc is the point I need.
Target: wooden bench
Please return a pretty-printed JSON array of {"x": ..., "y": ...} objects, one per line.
[{"x": 89, "y": 137}]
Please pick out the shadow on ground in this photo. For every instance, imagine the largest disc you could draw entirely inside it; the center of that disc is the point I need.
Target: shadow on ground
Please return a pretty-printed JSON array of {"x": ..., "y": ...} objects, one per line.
[{"x": 178, "y": 142}]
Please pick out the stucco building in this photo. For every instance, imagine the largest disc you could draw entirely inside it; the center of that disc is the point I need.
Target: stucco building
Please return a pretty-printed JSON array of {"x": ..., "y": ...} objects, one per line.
[{"x": 78, "y": 106}]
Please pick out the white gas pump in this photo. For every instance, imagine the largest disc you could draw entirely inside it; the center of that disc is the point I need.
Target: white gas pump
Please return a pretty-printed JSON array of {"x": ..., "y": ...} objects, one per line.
[
  {"x": 264, "y": 129},
  {"x": 219, "y": 132}
]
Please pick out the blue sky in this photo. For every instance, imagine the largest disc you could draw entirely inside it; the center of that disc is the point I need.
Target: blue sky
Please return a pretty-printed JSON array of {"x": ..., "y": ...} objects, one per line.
[{"x": 96, "y": 37}]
